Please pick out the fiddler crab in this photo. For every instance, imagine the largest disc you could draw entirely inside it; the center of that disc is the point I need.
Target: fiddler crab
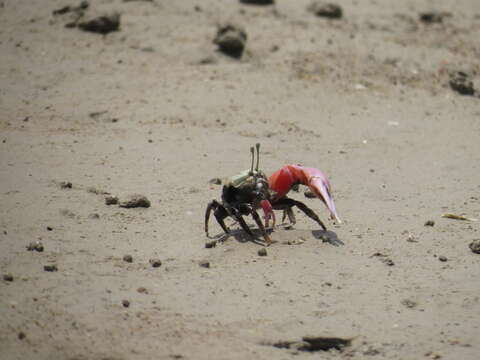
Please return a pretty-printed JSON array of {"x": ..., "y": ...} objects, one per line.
[{"x": 244, "y": 193}]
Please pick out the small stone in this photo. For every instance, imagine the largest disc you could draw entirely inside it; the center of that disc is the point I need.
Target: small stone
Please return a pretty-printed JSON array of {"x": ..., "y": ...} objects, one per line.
[
  {"x": 429, "y": 223},
  {"x": 231, "y": 40},
  {"x": 388, "y": 262},
  {"x": 309, "y": 194},
  {"x": 101, "y": 24},
  {"x": 442, "y": 258},
  {"x": 475, "y": 246},
  {"x": 35, "y": 246},
  {"x": 142, "y": 290},
  {"x": 126, "y": 303},
  {"x": 155, "y": 263},
  {"x": 65, "y": 185},
  {"x": 409, "y": 303},
  {"x": 50, "y": 268},
  {"x": 128, "y": 258},
  {"x": 262, "y": 252},
  {"x": 21, "y": 335},
  {"x": 211, "y": 244},
  {"x": 328, "y": 10},
  {"x": 134, "y": 201},
  {"x": 111, "y": 200},
  {"x": 8, "y": 277},
  {"x": 461, "y": 83},
  {"x": 434, "y": 17},
  {"x": 49, "y": 228},
  {"x": 205, "y": 264}
]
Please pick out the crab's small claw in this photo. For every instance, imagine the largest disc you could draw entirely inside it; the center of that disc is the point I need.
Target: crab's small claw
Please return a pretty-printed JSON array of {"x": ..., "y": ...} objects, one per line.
[
  {"x": 282, "y": 181},
  {"x": 267, "y": 212}
]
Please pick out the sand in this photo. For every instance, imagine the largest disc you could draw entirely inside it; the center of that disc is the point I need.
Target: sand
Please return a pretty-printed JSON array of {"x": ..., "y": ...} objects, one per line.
[{"x": 155, "y": 109}]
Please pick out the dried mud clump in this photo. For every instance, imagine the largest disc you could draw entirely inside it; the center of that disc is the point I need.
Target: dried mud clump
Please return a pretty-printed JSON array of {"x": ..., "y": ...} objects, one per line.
[
  {"x": 327, "y": 10},
  {"x": 461, "y": 82},
  {"x": 231, "y": 40},
  {"x": 134, "y": 201}
]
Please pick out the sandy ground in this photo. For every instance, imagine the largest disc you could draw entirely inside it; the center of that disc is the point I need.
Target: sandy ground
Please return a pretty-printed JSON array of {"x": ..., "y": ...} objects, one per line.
[{"x": 155, "y": 109}]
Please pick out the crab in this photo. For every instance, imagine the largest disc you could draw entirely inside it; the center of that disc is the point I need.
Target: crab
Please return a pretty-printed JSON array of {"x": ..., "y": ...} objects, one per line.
[{"x": 245, "y": 193}]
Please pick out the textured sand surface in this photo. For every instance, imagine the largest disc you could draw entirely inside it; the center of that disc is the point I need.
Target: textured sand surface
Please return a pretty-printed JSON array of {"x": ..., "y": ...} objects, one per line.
[{"x": 155, "y": 109}]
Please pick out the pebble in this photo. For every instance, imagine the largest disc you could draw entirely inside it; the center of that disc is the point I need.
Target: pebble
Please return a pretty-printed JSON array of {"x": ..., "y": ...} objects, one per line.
[
  {"x": 231, "y": 40},
  {"x": 205, "y": 264},
  {"x": 65, "y": 185},
  {"x": 35, "y": 246},
  {"x": 8, "y": 277},
  {"x": 134, "y": 201},
  {"x": 442, "y": 258},
  {"x": 111, "y": 200},
  {"x": 429, "y": 223},
  {"x": 126, "y": 303},
  {"x": 461, "y": 83},
  {"x": 21, "y": 335},
  {"x": 50, "y": 268},
  {"x": 475, "y": 246},
  {"x": 128, "y": 258},
  {"x": 409, "y": 303},
  {"x": 101, "y": 24},
  {"x": 142, "y": 290},
  {"x": 155, "y": 263},
  {"x": 433, "y": 17},
  {"x": 328, "y": 10},
  {"x": 211, "y": 244},
  {"x": 262, "y": 252}
]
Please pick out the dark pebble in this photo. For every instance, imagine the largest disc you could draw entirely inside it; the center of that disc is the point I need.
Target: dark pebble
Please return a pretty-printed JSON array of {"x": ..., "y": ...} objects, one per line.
[
  {"x": 309, "y": 194},
  {"x": 331, "y": 11},
  {"x": 155, "y": 263},
  {"x": 35, "y": 246},
  {"x": 65, "y": 185},
  {"x": 128, "y": 258},
  {"x": 442, "y": 258},
  {"x": 8, "y": 277},
  {"x": 50, "y": 268},
  {"x": 21, "y": 335},
  {"x": 262, "y": 252},
  {"x": 102, "y": 24},
  {"x": 205, "y": 264},
  {"x": 211, "y": 244},
  {"x": 125, "y": 303},
  {"x": 231, "y": 40},
  {"x": 433, "y": 17},
  {"x": 429, "y": 223},
  {"x": 461, "y": 83},
  {"x": 475, "y": 246}
]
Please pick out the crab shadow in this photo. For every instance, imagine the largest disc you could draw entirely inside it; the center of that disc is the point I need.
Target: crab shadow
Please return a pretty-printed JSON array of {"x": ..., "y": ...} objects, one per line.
[
  {"x": 241, "y": 236},
  {"x": 328, "y": 236}
]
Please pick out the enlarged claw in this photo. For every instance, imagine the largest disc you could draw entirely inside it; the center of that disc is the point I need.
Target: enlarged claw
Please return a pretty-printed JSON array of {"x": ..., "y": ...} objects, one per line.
[
  {"x": 267, "y": 212},
  {"x": 282, "y": 181}
]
